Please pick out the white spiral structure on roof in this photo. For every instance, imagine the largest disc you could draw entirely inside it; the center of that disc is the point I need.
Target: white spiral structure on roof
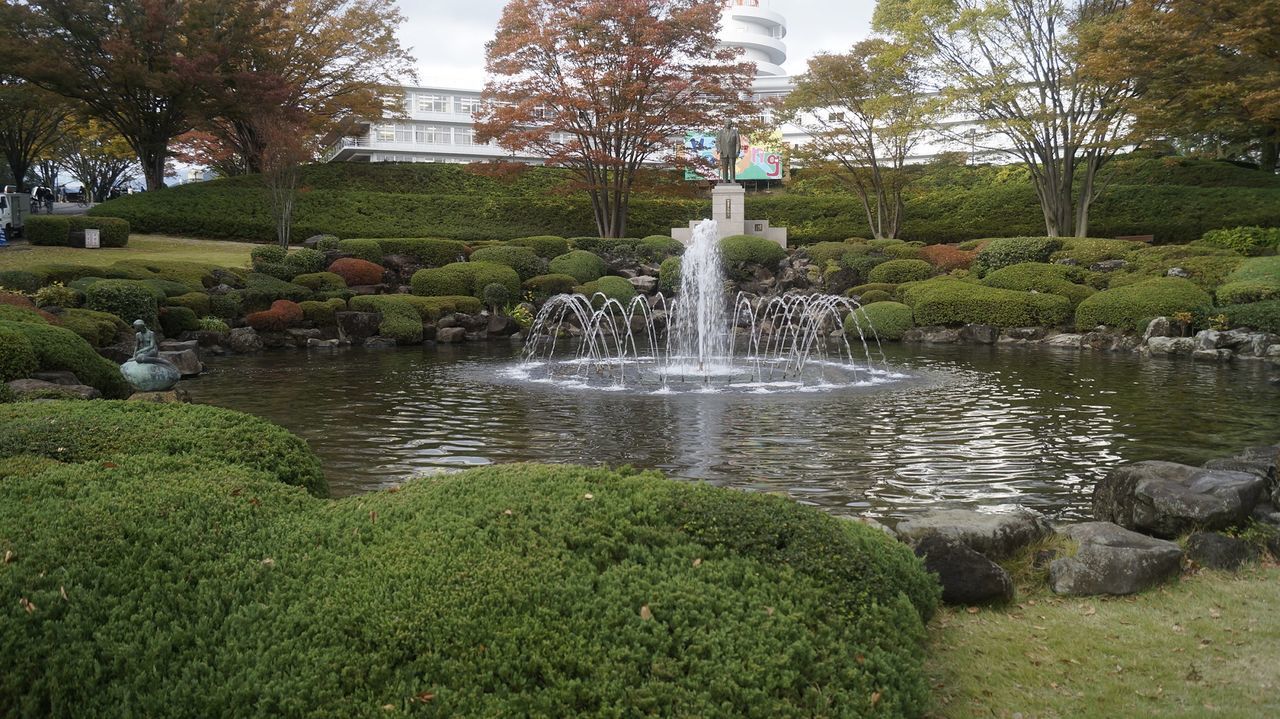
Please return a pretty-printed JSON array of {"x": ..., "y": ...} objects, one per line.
[{"x": 750, "y": 25}]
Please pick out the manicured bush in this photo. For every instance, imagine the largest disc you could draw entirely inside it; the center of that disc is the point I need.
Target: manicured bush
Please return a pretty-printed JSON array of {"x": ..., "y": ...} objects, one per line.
[
  {"x": 1245, "y": 240},
  {"x": 20, "y": 280},
  {"x": 321, "y": 281},
  {"x": 99, "y": 329},
  {"x": 614, "y": 288},
  {"x": 195, "y": 275},
  {"x": 1134, "y": 306},
  {"x": 546, "y": 246},
  {"x": 901, "y": 251},
  {"x": 583, "y": 265},
  {"x": 282, "y": 315},
  {"x": 213, "y": 324},
  {"x": 862, "y": 289},
  {"x": 947, "y": 301},
  {"x": 57, "y": 295},
  {"x": 274, "y": 254},
  {"x": 15, "y": 313},
  {"x": 495, "y": 295},
  {"x": 599, "y": 245},
  {"x": 823, "y": 252},
  {"x": 428, "y": 251},
  {"x": 946, "y": 258},
  {"x": 175, "y": 320},
  {"x": 669, "y": 276},
  {"x": 1089, "y": 250},
  {"x": 545, "y": 286},
  {"x": 1253, "y": 280},
  {"x": 635, "y": 593},
  {"x": 227, "y": 306},
  {"x": 872, "y": 296},
  {"x": 659, "y": 247},
  {"x": 261, "y": 290},
  {"x": 864, "y": 265},
  {"x": 523, "y": 260},
  {"x": 17, "y": 356},
  {"x": 304, "y": 261},
  {"x": 324, "y": 243},
  {"x": 48, "y": 230},
  {"x": 751, "y": 249},
  {"x": 99, "y": 431},
  {"x": 58, "y": 348},
  {"x": 1006, "y": 251},
  {"x": 1261, "y": 316},
  {"x": 464, "y": 278},
  {"x": 112, "y": 231},
  {"x": 401, "y": 322},
  {"x": 428, "y": 308},
  {"x": 896, "y": 272},
  {"x": 367, "y": 250},
  {"x": 127, "y": 299},
  {"x": 883, "y": 320},
  {"x": 356, "y": 272},
  {"x": 1041, "y": 277},
  {"x": 164, "y": 289},
  {"x": 322, "y": 314},
  {"x": 197, "y": 302}
]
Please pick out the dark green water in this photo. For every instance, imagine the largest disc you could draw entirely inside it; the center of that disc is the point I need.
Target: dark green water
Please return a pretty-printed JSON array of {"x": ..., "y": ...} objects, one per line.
[{"x": 976, "y": 426}]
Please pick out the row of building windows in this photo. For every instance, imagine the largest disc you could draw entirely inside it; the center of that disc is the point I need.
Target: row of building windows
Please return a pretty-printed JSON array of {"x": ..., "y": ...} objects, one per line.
[
  {"x": 432, "y": 102},
  {"x": 425, "y": 134}
]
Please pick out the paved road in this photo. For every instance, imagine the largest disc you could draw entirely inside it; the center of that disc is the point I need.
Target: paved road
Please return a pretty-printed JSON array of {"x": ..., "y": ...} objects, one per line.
[{"x": 64, "y": 208}]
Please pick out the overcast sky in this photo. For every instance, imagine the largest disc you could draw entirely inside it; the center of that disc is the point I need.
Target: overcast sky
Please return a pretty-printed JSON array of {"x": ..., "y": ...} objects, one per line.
[{"x": 448, "y": 36}]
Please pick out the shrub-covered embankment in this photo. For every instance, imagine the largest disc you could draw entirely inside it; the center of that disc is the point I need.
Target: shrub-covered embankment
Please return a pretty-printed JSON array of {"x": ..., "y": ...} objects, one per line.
[{"x": 173, "y": 573}]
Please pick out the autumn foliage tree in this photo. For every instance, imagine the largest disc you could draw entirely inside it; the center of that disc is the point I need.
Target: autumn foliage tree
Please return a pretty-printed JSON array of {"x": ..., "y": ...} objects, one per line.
[
  {"x": 94, "y": 154},
  {"x": 31, "y": 122},
  {"x": 602, "y": 86}
]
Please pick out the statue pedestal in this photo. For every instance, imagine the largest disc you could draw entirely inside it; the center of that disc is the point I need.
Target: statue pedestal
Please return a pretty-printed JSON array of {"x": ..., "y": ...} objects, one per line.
[{"x": 729, "y": 210}]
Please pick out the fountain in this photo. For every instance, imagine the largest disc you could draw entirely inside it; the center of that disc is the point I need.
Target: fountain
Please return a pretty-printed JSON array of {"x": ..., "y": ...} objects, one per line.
[{"x": 701, "y": 341}]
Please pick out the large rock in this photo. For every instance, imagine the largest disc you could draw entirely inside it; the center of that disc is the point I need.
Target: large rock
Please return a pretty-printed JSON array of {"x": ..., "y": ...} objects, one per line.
[
  {"x": 1263, "y": 462},
  {"x": 1171, "y": 345},
  {"x": 187, "y": 361},
  {"x": 1159, "y": 327},
  {"x": 1208, "y": 339},
  {"x": 501, "y": 326},
  {"x": 1218, "y": 551},
  {"x": 244, "y": 339},
  {"x": 966, "y": 576},
  {"x": 1113, "y": 560},
  {"x": 644, "y": 284},
  {"x": 979, "y": 334},
  {"x": 1066, "y": 339},
  {"x": 1166, "y": 499},
  {"x": 994, "y": 535},
  {"x": 173, "y": 396},
  {"x": 39, "y": 389},
  {"x": 57, "y": 377},
  {"x": 449, "y": 335},
  {"x": 356, "y": 327}
]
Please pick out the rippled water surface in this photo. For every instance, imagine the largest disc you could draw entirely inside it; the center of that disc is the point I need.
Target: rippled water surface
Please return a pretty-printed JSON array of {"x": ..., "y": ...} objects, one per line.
[{"x": 974, "y": 426}]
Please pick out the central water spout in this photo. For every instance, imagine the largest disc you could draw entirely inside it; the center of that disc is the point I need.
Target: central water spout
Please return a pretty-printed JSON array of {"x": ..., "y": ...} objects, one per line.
[{"x": 700, "y": 335}]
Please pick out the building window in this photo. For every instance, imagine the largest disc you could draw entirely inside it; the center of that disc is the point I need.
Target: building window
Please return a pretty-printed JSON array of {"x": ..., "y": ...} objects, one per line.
[
  {"x": 433, "y": 103},
  {"x": 386, "y": 133},
  {"x": 404, "y": 133},
  {"x": 836, "y": 117},
  {"x": 466, "y": 105},
  {"x": 431, "y": 135},
  {"x": 464, "y": 136}
]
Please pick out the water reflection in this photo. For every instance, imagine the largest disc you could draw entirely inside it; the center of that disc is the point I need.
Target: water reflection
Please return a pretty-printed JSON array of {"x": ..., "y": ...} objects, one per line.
[{"x": 976, "y": 426}]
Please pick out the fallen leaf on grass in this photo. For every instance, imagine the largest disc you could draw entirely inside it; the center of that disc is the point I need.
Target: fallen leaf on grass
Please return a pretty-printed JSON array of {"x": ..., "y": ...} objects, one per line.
[
  {"x": 27, "y": 605},
  {"x": 645, "y": 614}
]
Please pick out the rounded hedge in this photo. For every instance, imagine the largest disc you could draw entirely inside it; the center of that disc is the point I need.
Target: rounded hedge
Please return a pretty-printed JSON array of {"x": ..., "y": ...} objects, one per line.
[
  {"x": 127, "y": 299},
  {"x": 367, "y": 250},
  {"x": 660, "y": 247},
  {"x": 1040, "y": 277},
  {"x": 464, "y": 278},
  {"x": 47, "y": 230},
  {"x": 523, "y": 260},
  {"x": 1005, "y": 251},
  {"x": 545, "y": 286},
  {"x": 17, "y": 356},
  {"x": 428, "y": 308},
  {"x": 198, "y": 302},
  {"x": 871, "y": 296},
  {"x": 401, "y": 322},
  {"x": 895, "y": 272},
  {"x": 1134, "y": 306},
  {"x": 304, "y": 260},
  {"x": 21, "y": 280},
  {"x": 883, "y": 320},
  {"x": 99, "y": 329},
  {"x": 426, "y": 251},
  {"x": 322, "y": 313},
  {"x": 503, "y": 591},
  {"x": 268, "y": 254},
  {"x": 751, "y": 249},
  {"x": 321, "y": 281},
  {"x": 176, "y": 320},
  {"x": 1261, "y": 316},
  {"x": 584, "y": 266},
  {"x": 614, "y": 288},
  {"x": 112, "y": 231},
  {"x": 949, "y": 302},
  {"x": 546, "y": 246},
  {"x": 669, "y": 276},
  {"x": 58, "y": 348},
  {"x": 823, "y": 252}
]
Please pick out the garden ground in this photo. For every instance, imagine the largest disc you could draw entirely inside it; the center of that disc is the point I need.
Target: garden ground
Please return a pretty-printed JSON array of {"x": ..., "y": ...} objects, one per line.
[{"x": 141, "y": 247}]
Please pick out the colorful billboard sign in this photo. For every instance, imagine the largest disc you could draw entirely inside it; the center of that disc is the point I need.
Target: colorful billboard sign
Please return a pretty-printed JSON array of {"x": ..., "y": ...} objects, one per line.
[{"x": 758, "y": 158}]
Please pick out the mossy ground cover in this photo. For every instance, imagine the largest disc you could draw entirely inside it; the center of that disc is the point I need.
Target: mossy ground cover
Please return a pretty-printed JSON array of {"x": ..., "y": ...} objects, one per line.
[{"x": 1205, "y": 646}]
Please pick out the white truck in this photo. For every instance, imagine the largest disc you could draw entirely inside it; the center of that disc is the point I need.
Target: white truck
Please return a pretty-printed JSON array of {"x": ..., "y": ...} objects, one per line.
[{"x": 14, "y": 208}]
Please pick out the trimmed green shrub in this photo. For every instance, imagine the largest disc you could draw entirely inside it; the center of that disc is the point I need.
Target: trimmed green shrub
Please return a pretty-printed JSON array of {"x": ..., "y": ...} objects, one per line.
[
  {"x": 163, "y": 289},
  {"x": 751, "y": 249},
  {"x": 495, "y": 295},
  {"x": 1133, "y": 306},
  {"x": 58, "y": 348},
  {"x": 1261, "y": 316},
  {"x": 64, "y": 272},
  {"x": 195, "y": 275},
  {"x": 97, "y": 328},
  {"x": 1089, "y": 250},
  {"x": 614, "y": 288},
  {"x": 428, "y": 251},
  {"x": 1253, "y": 280},
  {"x": 546, "y": 246},
  {"x": 20, "y": 280},
  {"x": 15, "y": 313},
  {"x": 947, "y": 301},
  {"x": 176, "y": 320},
  {"x": 902, "y": 251},
  {"x": 226, "y": 307},
  {"x": 401, "y": 322},
  {"x": 863, "y": 265},
  {"x": 213, "y": 324},
  {"x": 464, "y": 278},
  {"x": 1245, "y": 240},
  {"x": 17, "y": 356},
  {"x": 823, "y": 252},
  {"x": 545, "y": 286},
  {"x": 99, "y": 431},
  {"x": 862, "y": 289},
  {"x": 1041, "y": 277},
  {"x": 274, "y": 254},
  {"x": 880, "y": 319},
  {"x": 113, "y": 231},
  {"x": 428, "y": 308},
  {"x": 523, "y": 260},
  {"x": 322, "y": 314},
  {"x": 324, "y": 243},
  {"x": 127, "y": 299},
  {"x": 197, "y": 302},
  {"x": 304, "y": 261},
  {"x": 872, "y": 296},
  {"x": 660, "y": 247},
  {"x": 48, "y": 230},
  {"x": 602, "y": 244},
  {"x": 367, "y": 250},
  {"x": 669, "y": 276},
  {"x": 895, "y": 272},
  {"x": 583, "y": 265},
  {"x": 321, "y": 281},
  {"x": 1006, "y": 251},
  {"x": 261, "y": 290},
  {"x": 58, "y": 296}
]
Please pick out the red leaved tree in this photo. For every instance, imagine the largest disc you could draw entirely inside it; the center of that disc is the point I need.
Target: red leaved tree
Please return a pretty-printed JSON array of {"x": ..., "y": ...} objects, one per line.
[{"x": 602, "y": 86}]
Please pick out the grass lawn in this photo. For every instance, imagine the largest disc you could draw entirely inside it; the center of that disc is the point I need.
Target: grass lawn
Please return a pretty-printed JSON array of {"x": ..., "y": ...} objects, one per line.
[
  {"x": 1206, "y": 646},
  {"x": 141, "y": 247}
]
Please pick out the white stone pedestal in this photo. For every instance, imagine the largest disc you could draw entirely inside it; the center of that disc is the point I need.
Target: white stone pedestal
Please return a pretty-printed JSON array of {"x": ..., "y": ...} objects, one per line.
[{"x": 729, "y": 210}]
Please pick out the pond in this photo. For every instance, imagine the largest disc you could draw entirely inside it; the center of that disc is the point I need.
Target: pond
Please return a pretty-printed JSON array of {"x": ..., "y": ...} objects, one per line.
[{"x": 970, "y": 427}]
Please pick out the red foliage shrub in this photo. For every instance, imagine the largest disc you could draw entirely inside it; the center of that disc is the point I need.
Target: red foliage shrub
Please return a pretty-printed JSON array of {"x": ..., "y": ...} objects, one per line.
[
  {"x": 947, "y": 257},
  {"x": 356, "y": 271},
  {"x": 283, "y": 314}
]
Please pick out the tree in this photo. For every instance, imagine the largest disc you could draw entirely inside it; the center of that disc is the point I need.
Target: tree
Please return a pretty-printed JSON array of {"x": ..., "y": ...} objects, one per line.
[
  {"x": 601, "y": 86},
  {"x": 202, "y": 148},
  {"x": 141, "y": 66},
  {"x": 1207, "y": 72},
  {"x": 95, "y": 155},
  {"x": 864, "y": 112},
  {"x": 30, "y": 123},
  {"x": 1014, "y": 67},
  {"x": 285, "y": 146}
]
